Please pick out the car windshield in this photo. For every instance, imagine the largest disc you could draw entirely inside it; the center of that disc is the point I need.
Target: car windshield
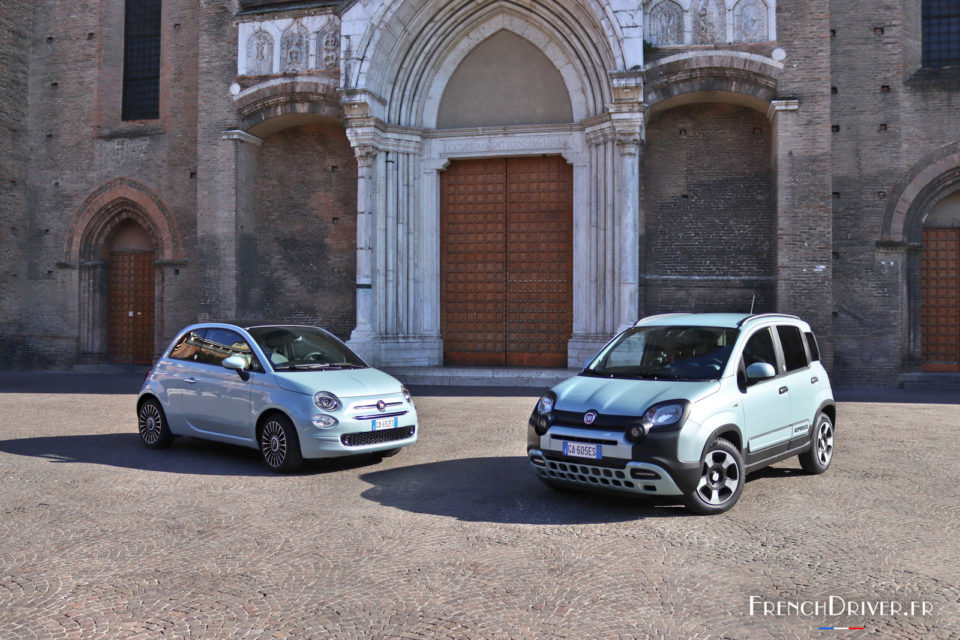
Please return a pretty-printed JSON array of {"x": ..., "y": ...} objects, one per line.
[
  {"x": 291, "y": 348},
  {"x": 665, "y": 353}
]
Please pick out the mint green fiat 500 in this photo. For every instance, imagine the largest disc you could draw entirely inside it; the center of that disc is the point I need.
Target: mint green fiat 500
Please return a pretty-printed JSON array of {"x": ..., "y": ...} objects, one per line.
[
  {"x": 293, "y": 392},
  {"x": 687, "y": 405}
]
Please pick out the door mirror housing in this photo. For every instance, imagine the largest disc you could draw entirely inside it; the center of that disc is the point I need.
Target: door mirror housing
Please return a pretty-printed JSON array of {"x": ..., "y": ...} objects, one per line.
[
  {"x": 238, "y": 364},
  {"x": 760, "y": 371}
]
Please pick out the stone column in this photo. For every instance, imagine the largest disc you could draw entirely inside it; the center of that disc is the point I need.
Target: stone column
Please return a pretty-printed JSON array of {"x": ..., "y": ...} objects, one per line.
[
  {"x": 628, "y": 228},
  {"x": 364, "y": 337}
]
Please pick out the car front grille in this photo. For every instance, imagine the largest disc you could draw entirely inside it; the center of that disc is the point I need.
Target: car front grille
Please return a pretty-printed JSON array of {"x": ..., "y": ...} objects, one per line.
[
  {"x": 588, "y": 474},
  {"x": 367, "y": 438}
]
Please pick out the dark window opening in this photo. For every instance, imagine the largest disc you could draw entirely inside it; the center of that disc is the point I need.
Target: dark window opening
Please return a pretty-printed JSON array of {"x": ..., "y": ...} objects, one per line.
[
  {"x": 791, "y": 341},
  {"x": 941, "y": 33},
  {"x": 141, "y": 60}
]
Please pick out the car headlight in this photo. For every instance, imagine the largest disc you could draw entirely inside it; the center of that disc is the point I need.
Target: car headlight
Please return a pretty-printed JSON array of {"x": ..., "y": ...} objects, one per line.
[
  {"x": 323, "y": 421},
  {"x": 326, "y": 401},
  {"x": 665, "y": 414},
  {"x": 406, "y": 394},
  {"x": 545, "y": 405}
]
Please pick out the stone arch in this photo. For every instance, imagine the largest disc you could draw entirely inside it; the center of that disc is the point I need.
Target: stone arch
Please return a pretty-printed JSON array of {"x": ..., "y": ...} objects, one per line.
[
  {"x": 410, "y": 48},
  {"x": 116, "y": 203},
  {"x": 728, "y": 76},
  {"x": 269, "y": 107}
]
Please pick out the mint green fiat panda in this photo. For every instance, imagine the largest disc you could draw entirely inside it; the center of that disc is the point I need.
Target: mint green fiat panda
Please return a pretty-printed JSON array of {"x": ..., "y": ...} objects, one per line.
[{"x": 687, "y": 405}]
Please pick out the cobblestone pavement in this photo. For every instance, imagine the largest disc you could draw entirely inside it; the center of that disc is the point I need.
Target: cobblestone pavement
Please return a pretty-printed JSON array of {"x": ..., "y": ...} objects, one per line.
[{"x": 455, "y": 537}]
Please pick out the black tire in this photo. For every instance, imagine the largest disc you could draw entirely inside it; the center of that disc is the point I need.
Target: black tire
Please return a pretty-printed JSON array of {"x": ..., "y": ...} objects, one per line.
[
  {"x": 721, "y": 479},
  {"x": 152, "y": 424},
  {"x": 818, "y": 458},
  {"x": 279, "y": 444}
]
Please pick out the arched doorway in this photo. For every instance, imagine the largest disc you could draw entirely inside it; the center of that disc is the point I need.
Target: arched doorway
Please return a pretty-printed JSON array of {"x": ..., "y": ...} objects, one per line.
[
  {"x": 940, "y": 289},
  {"x": 130, "y": 255}
]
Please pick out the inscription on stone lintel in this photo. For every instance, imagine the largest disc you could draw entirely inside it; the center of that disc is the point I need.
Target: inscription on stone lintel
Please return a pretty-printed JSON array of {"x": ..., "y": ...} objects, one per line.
[{"x": 521, "y": 144}]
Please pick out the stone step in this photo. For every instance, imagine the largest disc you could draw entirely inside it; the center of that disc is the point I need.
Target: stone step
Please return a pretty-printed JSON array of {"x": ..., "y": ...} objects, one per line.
[
  {"x": 535, "y": 379},
  {"x": 931, "y": 381}
]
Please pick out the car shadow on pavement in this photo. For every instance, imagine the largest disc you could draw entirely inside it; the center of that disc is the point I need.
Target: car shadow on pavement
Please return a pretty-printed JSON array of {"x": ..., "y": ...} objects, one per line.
[
  {"x": 503, "y": 490},
  {"x": 185, "y": 455}
]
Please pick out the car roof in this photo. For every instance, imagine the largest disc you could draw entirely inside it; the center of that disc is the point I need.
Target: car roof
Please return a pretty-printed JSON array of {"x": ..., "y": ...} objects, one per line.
[{"x": 728, "y": 320}]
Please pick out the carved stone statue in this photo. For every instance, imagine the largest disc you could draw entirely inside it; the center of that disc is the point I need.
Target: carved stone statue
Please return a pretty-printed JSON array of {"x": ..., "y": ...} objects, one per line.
[
  {"x": 666, "y": 23},
  {"x": 260, "y": 54},
  {"x": 709, "y": 22},
  {"x": 750, "y": 21},
  {"x": 293, "y": 48}
]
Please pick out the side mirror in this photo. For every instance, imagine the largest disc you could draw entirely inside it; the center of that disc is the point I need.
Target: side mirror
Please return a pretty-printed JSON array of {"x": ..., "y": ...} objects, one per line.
[
  {"x": 238, "y": 364},
  {"x": 760, "y": 371}
]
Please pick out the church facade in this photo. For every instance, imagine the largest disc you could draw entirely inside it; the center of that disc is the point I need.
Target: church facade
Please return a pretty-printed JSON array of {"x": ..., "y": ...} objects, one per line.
[{"x": 485, "y": 182}]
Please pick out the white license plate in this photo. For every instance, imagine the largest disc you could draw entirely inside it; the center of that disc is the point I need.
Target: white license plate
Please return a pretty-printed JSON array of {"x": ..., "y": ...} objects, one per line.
[
  {"x": 383, "y": 423},
  {"x": 582, "y": 450}
]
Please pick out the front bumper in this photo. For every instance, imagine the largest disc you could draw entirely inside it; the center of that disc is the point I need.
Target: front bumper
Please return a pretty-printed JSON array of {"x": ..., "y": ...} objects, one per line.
[
  {"x": 648, "y": 467},
  {"x": 354, "y": 433}
]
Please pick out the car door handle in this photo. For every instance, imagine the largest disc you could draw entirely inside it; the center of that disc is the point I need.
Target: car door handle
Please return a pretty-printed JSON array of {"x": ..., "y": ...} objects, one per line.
[
  {"x": 783, "y": 390},
  {"x": 814, "y": 380},
  {"x": 191, "y": 380}
]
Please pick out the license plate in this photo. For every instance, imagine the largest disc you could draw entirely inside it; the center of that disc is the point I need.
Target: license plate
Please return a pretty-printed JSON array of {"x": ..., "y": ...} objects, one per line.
[
  {"x": 383, "y": 423},
  {"x": 582, "y": 450}
]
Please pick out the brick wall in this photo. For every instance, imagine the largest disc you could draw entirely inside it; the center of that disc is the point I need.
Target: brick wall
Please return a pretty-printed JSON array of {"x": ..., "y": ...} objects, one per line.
[
  {"x": 710, "y": 218},
  {"x": 888, "y": 115},
  {"x": 77, "y": 144},
  {"x": 15, "y": 18},
  {"x": 306, "y": 230}
]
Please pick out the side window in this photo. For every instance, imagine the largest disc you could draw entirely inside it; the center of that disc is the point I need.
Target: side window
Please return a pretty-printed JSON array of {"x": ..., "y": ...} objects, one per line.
[
  {"x": 759, "y": 348},
  {"x": 188, "y": 346},
  {"x": 812, "y": 346},
  {"x": 219, "y": 344},
  {"x": 794, "y": 353}
]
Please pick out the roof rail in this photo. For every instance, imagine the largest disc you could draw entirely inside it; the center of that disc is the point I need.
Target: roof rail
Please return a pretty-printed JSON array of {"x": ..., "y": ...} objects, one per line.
[
  {"x": 767, "y": 315},
  {"x": 661, "y": 315}
]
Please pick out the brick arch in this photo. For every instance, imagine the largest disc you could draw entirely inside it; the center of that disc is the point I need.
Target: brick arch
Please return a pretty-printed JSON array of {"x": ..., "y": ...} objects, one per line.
[
  {"x": 917, "y": 191},
  {"x": 116, "y": 201},
  {"x": 111, "y": 204},
  {"x": 930, "y": 180}
]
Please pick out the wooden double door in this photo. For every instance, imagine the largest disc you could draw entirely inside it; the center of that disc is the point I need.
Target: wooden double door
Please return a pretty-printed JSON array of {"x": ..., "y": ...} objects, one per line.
[
  {"x": 940, "y": 325},
  {"x": 507, "y": 261}
]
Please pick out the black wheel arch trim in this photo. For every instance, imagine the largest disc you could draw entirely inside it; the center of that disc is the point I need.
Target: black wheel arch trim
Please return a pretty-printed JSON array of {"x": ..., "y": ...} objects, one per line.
[
  {"x": 720, "y": 432},
  {"x": 828, "y": 407}
]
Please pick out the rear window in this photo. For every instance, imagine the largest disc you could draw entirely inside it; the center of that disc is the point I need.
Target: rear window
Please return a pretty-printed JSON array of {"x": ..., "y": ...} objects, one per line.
[
  {"x": 812, "y": 346},
  {"x": 794, "y": 353}
]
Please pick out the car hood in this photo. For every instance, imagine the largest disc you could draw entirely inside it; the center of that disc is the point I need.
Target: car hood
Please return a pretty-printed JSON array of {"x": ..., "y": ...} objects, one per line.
[
  {"x": 343, "y": 383},
  {"x": 613, "y": 396}
]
